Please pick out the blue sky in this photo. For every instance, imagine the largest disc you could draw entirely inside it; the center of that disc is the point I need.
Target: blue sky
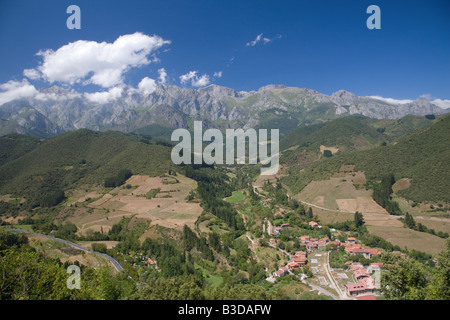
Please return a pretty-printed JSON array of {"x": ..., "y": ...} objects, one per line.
[{"x": 321, "y": 45}]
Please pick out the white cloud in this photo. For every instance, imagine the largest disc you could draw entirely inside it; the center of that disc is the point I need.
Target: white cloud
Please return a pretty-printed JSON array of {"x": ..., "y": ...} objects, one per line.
[
  {"x": 32, "y": 74},
  {"x": 45, "y": 96},
  {"x": 254, "y": 42},
  {"x": 147, "y": 86},
  {"x": 200, "y": 82},
  {"x": 104, "y": 96},
  {"x": 195, "y": 80},
  {"x": 188, "y": 76},
  {"x": 218, "y": 74},
  {"x": 102, "y": 63},
  {"x": 12, "y": 90},
  {"x": 391, "y": 101},
  {"x": 162, "y": 75},
  {"x": 445, "y": 104},
  {"x": 260, "y": 38}
]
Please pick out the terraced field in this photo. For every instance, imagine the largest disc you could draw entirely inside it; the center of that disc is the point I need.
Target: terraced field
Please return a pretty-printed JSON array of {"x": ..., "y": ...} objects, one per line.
[{"x": 167, "y": 208}]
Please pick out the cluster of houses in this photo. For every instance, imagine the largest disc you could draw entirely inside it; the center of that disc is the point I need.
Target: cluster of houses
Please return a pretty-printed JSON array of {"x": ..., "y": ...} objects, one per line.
[
  {"x": 298, "y": 260},
  {"x": 143, "y": 261},
  {"x": 354, "y": 248},
  {"x": 367, "y": 279},
  {"x": 365, "y": 282},
  {"x": 312, "y": 244}
]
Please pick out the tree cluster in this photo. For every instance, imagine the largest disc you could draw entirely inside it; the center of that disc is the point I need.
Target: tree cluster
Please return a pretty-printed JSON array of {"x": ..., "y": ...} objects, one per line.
[
  {"x": 118, "y": 180},
  {"x": 382, "y": 195}
]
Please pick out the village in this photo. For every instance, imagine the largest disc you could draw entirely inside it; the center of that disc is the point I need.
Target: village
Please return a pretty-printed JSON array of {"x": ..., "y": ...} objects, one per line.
[{"x": 353, "y": 281}]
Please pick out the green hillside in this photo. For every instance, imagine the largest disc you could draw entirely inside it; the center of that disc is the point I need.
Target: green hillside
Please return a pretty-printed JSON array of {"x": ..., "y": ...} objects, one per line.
[
  {"x": 75, "y": 158},
  {"x": 15, "y": 145},
  {"x": 423, "y": 156},
  {"x": 395, "y": 128},
  {"x": 346, "y": 131}
]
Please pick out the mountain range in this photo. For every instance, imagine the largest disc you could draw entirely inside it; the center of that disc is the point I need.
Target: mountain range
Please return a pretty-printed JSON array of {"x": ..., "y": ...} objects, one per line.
[{"x": 56, "y": 110}]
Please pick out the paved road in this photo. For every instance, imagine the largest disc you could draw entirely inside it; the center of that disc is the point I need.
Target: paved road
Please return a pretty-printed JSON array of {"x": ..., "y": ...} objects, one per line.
[
  {"x": 113, "y": 261},
  {"x": 342, "y": 295}
]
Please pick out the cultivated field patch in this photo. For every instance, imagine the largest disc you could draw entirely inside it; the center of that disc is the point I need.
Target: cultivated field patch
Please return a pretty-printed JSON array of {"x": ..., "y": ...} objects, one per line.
[
  {"x": 339, "y": 193},
  {"x": 167, "y": 208},
  {"x": 411, "y": 239}
]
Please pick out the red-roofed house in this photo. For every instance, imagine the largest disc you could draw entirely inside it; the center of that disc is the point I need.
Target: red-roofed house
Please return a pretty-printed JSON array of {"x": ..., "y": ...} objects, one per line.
[
  {"x": 367, "y": 253},
  {"x": 368, "y": 282},
  {"x": 301, "y": 253},
  {"x": 360, "y": 273},
  {"x": 350, "y": 247},
  {"x": 293, "y": 265},
  {"x": 376, "y": 266},
  {"x": 354, "y": 289},
  {"x": 311, "y": 246},
  {"x": 304, "y": 239},
  {"x": 301, "y": 260},
  {"x": 351, "y": 240},
  {"x": 281, "y": 272},
  {"x": 313, "y": 224}
]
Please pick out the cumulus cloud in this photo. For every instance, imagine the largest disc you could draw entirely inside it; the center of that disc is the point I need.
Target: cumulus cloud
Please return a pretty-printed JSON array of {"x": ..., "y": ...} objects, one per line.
[
  {"x": 201, "y": 82},
  {"x": 12, "y": 90},
  {"x": 188, "y": 76},
  {"x": 100, "y": 63},
  {"x": 147, "y": 86},
  {"x": 392, "y": 101},
  {"x": 105, "y": 96},
  {"x": 162, "y": 75},
  {"x": 196, "y": 81},
  {"x": 218, "y": 74}
]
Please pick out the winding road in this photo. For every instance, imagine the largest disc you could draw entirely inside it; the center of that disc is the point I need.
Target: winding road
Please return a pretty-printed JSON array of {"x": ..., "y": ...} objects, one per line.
[{"x": 113, "y": 261}]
